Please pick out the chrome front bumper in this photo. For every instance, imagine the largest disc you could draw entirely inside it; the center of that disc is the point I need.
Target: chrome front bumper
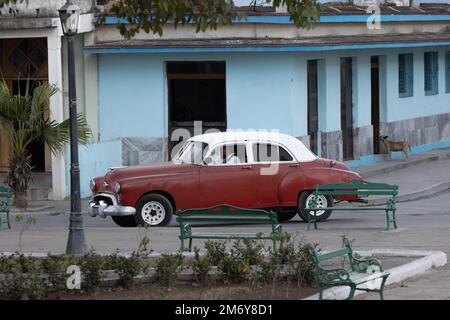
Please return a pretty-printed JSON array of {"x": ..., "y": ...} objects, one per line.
[{"x": 103, "y": 210}]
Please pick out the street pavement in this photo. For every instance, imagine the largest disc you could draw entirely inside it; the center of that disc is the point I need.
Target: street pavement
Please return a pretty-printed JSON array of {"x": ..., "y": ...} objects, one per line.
[{"x": 424, "y": 224}]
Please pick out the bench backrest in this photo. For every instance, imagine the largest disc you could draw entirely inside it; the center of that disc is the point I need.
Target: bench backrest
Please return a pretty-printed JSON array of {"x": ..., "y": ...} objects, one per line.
[
  {"x": 346, "y": 250},
  {"x": 357, "y": 187},
  {"x": 6, "y": 194},
  {"x": 226, "y": 213}
]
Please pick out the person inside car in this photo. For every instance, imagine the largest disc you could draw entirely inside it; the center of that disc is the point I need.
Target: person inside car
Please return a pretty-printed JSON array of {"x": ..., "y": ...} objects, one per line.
[{"x": 231, "y": 157}]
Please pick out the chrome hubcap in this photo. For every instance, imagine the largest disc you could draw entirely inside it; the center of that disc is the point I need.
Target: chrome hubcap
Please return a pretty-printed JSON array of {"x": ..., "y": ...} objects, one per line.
[
  {"x": 153, "y": 213},
  {"x": 321, "y": 203}
]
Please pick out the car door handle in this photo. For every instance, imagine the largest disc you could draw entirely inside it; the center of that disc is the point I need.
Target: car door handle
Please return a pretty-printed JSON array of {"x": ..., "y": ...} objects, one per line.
[
  {"x": 246, "y": 167},
  {"x": 294, "y": 165}
]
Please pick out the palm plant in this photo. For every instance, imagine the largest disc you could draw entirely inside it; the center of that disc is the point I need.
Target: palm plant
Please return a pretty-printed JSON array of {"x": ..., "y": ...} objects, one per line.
[{"x": 26, "y": 122}]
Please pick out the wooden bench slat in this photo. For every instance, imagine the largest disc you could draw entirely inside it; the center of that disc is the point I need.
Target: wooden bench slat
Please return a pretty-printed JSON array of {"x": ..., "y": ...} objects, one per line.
[
  {"x": 357, "y": 188},
  {"x": 361, "y": 184},
  {"x": 225, "y": 214},
  {"x": 227, "y": 235},
  {"x": 356, "y": 192},
  {"x": 360, "y": 278},
  {"x": 227, "y": 220},
  {"x": 333, "y": 254},
  {"x": 348, "y": 208}
]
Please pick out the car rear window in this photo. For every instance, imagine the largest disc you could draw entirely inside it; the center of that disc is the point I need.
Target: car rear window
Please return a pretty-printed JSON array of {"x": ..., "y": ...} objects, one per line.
[
  {"x": 266, "y": 152},
  {"x": 229, "y": 154}
]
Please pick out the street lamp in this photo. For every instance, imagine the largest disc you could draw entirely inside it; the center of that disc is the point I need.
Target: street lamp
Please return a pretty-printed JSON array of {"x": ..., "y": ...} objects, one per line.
[{"x": 76, "y": 244}]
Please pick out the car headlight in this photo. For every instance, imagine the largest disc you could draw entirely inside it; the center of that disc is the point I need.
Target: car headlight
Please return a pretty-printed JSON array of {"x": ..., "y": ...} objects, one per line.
[
  {"x": 117, "y": 187},
  {"x": 92, "y": 185}
]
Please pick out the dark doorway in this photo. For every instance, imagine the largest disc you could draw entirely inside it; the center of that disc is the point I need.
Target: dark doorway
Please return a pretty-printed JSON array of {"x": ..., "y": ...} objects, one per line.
[
  {"x": 36, "y": 148},
  {"x": 375, "y": 94},
  {"x": 313, "y": 116},
  {"x": 24, "y": 60},
  {"x": 347, "y": 108},
  {"x": 197, "y": 92}
]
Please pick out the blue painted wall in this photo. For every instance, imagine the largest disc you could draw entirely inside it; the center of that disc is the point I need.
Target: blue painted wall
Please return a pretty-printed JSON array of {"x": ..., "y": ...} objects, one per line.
[
  {"x": 418, "y": 105},
  {"x": 264, "y": 91},
  {"x": 133, "y": 92},
  {"x": 94, "y": 160},
  {"x": 131, "y": 96},
  {"x": 267, "y": 92}
]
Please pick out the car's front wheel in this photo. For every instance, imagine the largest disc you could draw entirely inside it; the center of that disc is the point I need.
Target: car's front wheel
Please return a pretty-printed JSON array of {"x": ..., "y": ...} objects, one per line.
[
  {"x": 306, "y": 198},
  {"x": 125, "y": 221},
  {"x": 154, "y": 210}
]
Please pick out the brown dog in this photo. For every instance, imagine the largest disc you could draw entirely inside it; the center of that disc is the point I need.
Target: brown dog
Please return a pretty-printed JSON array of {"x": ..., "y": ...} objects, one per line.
[{"x": 402, "y": 146}]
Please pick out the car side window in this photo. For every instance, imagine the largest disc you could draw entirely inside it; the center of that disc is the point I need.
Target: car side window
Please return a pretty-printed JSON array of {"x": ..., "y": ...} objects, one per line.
[
  {"x": 266, "y": 152},
  {"x": 235, "y": 153}
]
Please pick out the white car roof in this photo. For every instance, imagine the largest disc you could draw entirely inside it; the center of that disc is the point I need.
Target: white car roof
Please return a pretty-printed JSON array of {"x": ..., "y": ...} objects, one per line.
[{"x": 294, "y": 145}]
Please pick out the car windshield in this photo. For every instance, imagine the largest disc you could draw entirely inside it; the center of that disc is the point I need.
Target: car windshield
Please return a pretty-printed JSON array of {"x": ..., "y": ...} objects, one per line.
[{"x": 192, "y": 153}]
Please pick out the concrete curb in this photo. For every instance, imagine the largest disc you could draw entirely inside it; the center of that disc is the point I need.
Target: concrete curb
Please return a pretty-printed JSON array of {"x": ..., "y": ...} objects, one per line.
[
  {"x": 31, "y": 209},
  {"x": 416, "y": 195},
  {"x": 153, "y": 254},
  {"x": 428, "y": 260},
  {"x": 398, "y": 166}
]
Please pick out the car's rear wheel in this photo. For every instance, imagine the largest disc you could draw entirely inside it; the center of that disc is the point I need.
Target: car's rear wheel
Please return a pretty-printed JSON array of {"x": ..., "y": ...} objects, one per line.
[
  {"x": 307, "y": 197},
  {"x": 286, "y": 215},
  {"x": 125, "y": 221},
  {"x": 154, "y": 210}
]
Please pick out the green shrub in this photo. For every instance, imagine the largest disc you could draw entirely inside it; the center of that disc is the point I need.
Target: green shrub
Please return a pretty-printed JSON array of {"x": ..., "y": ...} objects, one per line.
[
  {"x": 201, "y": 266},
  {"x": 167, "y": 268},
  {"x": 91, "y": 265}
]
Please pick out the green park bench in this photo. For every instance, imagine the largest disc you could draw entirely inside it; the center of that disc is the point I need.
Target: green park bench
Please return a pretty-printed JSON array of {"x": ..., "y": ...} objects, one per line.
[
  {"x": 6, "y": 195},
  {"x": 359, "y": 188},
  {"x": 225, "y": 214},
  {"x": 366, "y": 271}
]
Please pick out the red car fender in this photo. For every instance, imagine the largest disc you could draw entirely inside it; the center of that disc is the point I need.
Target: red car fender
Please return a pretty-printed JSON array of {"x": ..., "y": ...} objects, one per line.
[{"x": 289, "y": 188}]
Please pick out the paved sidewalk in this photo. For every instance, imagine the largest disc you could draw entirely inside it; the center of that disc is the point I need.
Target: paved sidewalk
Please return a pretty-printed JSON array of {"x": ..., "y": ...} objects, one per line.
[
  {"x": 432, "y": 285},
  {"x": 425, "y": 174},
  {"x": 390, "y": 165}
]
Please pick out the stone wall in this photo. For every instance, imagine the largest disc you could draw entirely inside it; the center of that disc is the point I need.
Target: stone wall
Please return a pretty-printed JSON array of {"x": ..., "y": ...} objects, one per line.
[
  {"x": 416, "y": 131},
  {"x": 362, "y": 141},
  {"x": 143, "y": 150},
  {"x": 331, "y": 144},
  {"x": 419, "y": 131}
]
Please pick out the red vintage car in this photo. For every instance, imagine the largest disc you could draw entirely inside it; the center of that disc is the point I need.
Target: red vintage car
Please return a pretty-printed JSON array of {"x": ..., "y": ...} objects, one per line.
[{"x": 245, "y": 169}]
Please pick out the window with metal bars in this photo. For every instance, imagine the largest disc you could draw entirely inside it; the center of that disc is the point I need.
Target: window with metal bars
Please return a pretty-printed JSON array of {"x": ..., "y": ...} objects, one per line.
[
  {"x": 431, "y": 73},
  {"x": 405, "y": 75}
]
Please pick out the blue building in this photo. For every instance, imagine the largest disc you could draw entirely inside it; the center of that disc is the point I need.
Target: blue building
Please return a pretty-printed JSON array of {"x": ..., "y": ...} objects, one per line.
[{"x": 338, "y": 86}]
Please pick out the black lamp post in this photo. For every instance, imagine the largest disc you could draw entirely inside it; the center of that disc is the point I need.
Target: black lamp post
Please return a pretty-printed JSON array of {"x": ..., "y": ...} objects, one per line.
[{"x": 76, "y": 244}]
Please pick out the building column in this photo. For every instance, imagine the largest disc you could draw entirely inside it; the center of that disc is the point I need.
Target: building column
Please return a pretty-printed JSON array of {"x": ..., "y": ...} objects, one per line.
[
  {"x": 299, "y": 100},
  {"x": 362, "y": 106},
  {"x": 91, "y": 88},
  {"x": 330, "y": 107},
  {"x": 56, "y": 111},
  {"x": 392, "y": 82}
]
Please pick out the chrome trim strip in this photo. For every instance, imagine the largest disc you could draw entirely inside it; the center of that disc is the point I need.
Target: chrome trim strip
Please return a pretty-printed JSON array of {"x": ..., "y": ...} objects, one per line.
[
  {"x": 107, "y": 195},
  {"x": 105, "y": 210}
]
